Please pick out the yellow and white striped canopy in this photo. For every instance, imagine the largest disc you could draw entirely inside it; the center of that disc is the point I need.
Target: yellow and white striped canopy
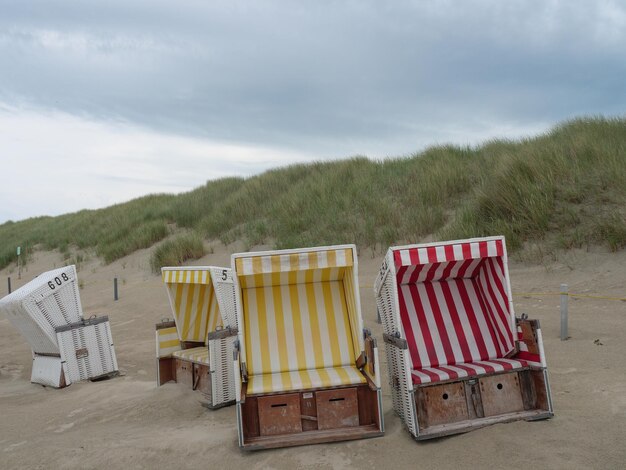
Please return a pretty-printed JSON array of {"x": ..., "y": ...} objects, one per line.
[
  {"x": 193, "y": 301},
  {"x": 186, "y": 276},
  {"x": 278, "y": 263}
]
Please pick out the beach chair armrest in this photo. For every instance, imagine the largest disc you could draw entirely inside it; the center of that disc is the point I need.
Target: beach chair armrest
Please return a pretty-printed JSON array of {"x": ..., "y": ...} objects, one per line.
[
  {"x": 237, "y": 374},
  {"x": 371, "y": 368},
  {"x": 529, "y": 342},
  {"x": 222, "y": 333},
  {"x": 527, "y": 331},
  {"x": 395, "y": 340}
]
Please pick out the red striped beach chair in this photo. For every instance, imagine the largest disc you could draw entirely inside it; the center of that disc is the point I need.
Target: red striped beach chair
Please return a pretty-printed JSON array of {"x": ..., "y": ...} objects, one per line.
[
  {"x": 196, "y": 348},
  {"x": 458, "y": 358},
  {"x": 306, "y": 371}
]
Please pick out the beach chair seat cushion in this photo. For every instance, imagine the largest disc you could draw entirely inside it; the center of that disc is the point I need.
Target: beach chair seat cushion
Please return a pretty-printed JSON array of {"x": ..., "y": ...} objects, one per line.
[
  {"x": 199, "y": 355},
  {"x": 304, "y": 380},
  {"x": 427, "y": 375}
]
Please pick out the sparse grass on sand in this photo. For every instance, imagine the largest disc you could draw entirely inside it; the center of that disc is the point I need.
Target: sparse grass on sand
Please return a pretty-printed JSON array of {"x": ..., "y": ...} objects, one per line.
[{"x": 563, "y": 189}]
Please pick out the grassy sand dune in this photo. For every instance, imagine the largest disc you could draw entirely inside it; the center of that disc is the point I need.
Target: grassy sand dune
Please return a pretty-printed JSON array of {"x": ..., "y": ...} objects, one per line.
[{"x": 563, "y": 189}]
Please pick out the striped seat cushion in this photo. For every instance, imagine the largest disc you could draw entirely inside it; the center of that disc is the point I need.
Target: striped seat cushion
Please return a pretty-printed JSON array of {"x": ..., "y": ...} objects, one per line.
[
  {"x": 304, "y": 380},
  {"x": 468, "y": 369},
  {"x": 199, "y": 355}
]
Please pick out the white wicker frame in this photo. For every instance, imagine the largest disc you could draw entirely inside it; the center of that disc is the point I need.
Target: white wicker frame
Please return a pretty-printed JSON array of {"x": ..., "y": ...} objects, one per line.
[
  {"x": 42, "y": 311},
  {"x": 399, "y": 363},
  {"x": 97, "y": 358},
  {"x": 221, "y": 350}
]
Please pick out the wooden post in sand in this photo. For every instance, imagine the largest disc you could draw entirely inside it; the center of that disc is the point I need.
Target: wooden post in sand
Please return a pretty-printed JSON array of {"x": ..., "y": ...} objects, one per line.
[
  {"x": 564, "y": 300},
  {"x": 9, "y": 283},
  {"x": 115, "y": 296}
]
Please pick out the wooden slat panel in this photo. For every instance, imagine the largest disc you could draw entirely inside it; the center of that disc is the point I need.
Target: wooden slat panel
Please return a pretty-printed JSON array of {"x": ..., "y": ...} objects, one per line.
[
  {"x": 337, "y": 408},
  {"x": 184, "y": 372},
  {"x": 501, "y": 394},
  {"x": 443, "y": 404}
]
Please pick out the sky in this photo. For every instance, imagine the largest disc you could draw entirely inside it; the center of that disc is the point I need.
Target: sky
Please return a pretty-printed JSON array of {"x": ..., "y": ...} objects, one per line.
[{"x": 101, "y": 102}]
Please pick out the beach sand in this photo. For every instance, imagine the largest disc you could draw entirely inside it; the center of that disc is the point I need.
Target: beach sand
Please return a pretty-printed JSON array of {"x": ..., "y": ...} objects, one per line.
[{"x": 127, "y": 422}]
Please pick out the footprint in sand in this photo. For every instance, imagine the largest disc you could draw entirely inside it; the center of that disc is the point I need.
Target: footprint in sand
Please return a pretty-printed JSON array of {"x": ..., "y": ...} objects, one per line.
[
  {"x": 75, "y": 412},
  {"x": 14, "y": 446},
  {"x": 64, "y": 427}
]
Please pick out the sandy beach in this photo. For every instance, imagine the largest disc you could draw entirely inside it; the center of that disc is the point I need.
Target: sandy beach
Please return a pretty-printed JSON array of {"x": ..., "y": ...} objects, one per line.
[{"x": 127, "y": 422}]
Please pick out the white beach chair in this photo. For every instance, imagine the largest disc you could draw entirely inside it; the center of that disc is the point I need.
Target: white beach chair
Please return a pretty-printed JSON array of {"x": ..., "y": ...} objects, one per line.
[
  {"x": 196, "y": 348},
  {"x": 458, "y": 359},
  {"x": 306, "y": 371},
  {"x": 66, "y": 348}
]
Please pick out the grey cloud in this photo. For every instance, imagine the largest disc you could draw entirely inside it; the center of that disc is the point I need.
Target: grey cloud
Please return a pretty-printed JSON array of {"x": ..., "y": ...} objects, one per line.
[{"x": 326, "y": 78}]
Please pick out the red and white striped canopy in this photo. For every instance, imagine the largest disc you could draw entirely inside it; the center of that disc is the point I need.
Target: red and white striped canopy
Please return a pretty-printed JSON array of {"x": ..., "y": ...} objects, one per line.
[{"x": 454, "y": 301}]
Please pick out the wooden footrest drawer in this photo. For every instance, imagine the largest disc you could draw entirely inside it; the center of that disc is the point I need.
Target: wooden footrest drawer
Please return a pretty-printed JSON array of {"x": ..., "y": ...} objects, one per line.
[
  {"x": 337, "y": 408},
  {"x": 184, "y": 372},
  {"x": 279, "y": 414},
  {"x": 501, "y": 394},
  {"x": 441, "y": 404}
]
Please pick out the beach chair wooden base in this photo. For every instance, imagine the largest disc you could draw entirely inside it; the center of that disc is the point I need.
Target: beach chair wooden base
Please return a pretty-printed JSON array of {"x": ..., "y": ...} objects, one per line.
[
  {"x": 310, "y": 417},
  {"x": 455, "y": 407},
  {"x": 192, "y": 375},
  {"x": 188, "y": 364}
]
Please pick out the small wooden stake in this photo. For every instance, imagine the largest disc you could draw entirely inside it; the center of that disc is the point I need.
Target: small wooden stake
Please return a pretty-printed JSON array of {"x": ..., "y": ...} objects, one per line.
[
  {"x": 9, "y": 283},
  {"x": 564, "y": 301},
  {"x": 115, "y": 296}
]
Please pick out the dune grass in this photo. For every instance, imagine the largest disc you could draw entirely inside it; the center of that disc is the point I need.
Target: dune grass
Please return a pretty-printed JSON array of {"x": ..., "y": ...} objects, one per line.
[
  {"x": 176, "y": 251},
  {"x": 563, "y": 189}
]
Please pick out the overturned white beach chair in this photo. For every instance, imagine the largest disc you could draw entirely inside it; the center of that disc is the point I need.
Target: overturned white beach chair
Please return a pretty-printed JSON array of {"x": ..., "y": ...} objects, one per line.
[
  {"x": 306, "y": 371},
  {"x": 458, "y": 359},
  {"x": 66, "y": 348},
  {"x": 196, "y": 348}
]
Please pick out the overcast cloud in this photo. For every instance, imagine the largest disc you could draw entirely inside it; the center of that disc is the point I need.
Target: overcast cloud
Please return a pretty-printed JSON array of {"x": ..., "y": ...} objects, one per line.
[{"x": 104, "y": 101}]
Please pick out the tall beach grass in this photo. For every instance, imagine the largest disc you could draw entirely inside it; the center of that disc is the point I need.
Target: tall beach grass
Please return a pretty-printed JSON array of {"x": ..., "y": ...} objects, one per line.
[{"x": 564, "y": 189}]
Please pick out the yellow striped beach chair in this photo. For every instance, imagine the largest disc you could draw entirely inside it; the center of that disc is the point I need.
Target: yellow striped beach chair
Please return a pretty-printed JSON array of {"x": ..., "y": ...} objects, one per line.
[
  {"x": 305, "y": 369},
  {"x": 196, "y": 348}
]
